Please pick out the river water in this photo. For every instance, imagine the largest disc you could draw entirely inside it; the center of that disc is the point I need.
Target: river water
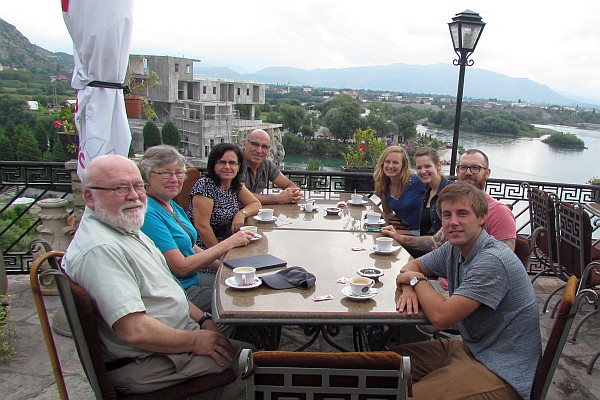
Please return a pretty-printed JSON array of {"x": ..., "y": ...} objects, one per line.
[{"x": 513, "y": 158}]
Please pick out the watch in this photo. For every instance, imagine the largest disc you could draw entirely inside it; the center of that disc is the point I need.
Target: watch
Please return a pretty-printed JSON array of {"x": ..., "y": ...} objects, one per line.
[
  {"x": 414, "y": 280},
  {"x": 205, "y": 317}
]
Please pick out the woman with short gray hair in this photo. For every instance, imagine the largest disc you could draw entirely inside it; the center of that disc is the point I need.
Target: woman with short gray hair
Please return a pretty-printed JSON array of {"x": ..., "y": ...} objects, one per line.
[{"x": 167, "y": 224}]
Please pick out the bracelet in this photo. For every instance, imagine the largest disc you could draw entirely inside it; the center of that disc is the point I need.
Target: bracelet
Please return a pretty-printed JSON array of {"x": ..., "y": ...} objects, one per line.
[{"x": 244, "y": 212}]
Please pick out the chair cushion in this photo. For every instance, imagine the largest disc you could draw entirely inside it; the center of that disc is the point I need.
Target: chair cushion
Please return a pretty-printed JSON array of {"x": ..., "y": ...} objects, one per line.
[{"x": 353, "y": 360}]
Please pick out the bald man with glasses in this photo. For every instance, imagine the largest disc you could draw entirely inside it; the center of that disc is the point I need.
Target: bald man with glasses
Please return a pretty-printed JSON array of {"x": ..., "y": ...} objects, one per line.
[
  {"x": 473, "y": 168},
  {"x": 259, "y": 171}
]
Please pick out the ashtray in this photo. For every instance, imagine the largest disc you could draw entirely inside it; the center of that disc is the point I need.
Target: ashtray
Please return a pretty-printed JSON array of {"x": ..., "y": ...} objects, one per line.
[
  {"x": 370, "y": 272},
  {"x": 333, "y": 210}
]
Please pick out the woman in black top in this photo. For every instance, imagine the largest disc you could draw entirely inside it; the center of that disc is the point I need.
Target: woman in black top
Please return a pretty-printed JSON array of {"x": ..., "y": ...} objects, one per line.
[{"x": 429, "y": 171}]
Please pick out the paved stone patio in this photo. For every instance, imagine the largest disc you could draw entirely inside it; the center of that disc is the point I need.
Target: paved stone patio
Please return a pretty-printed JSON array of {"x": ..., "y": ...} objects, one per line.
[{"x": 29, "y": 374}]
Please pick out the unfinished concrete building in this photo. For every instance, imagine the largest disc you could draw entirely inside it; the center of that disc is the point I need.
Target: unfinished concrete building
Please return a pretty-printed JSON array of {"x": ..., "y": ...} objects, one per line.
[{"x": 203, "y": 109}]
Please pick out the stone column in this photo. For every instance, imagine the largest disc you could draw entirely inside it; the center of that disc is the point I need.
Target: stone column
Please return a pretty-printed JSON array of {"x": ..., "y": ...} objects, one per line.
[
  {"x": 55, "y": 228},
  {"x": 76, "y": 187},
  {"x": 54, "y": 233}
]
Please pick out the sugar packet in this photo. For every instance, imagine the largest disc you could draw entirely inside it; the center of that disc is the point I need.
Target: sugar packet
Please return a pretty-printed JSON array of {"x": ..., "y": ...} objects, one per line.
[{"x": 321, "y": 298}]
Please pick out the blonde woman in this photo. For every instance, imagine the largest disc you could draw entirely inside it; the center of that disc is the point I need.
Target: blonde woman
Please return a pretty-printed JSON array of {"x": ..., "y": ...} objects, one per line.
[{"x": 400, "y": 190}]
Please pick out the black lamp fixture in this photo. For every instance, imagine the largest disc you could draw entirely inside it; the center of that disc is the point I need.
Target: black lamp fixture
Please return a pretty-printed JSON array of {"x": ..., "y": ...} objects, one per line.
[{"x": 465, "y": 30}]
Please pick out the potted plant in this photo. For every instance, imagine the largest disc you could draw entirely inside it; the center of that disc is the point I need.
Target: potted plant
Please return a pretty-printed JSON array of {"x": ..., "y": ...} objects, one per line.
[
  {"x": 362, "y": 156},
  {"x": 134, "y": 102},
  {"x": 595, "y": 196},
  {"x": 67, "y": 133}
]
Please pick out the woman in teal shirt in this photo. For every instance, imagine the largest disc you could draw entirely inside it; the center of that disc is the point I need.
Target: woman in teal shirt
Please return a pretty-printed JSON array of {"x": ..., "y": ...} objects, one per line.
[{"x": 167, "y": 224}]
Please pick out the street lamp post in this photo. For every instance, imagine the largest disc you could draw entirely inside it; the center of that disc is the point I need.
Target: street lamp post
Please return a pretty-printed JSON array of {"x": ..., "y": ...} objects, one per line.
[{"x": 465, "y": 30}]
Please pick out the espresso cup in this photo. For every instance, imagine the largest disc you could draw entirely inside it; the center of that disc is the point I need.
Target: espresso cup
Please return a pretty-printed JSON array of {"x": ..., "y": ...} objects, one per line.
[
  {"x": 266, "y": 214},
  {"x": 384, "y": 244},
  {"x": 373, "y": 217},
  {"x": 250, "y": 228},
  {"x": 356, "y": 198},
  {"x": 309, "y": 206},
  {"x": 244, "y": 275},
  {"x": 361, "y": 285}
]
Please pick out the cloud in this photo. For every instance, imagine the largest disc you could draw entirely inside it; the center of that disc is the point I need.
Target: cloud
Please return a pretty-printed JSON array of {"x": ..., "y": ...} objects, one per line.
[{"x": 554, "y": 44}]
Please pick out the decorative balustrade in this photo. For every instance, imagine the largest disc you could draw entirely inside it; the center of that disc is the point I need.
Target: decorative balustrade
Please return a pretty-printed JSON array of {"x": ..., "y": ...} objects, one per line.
[{"x": 42, "y": 180}]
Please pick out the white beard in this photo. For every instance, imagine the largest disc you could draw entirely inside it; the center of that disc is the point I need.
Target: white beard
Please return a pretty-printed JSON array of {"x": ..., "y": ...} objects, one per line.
[{"x": 129, "y": 222}]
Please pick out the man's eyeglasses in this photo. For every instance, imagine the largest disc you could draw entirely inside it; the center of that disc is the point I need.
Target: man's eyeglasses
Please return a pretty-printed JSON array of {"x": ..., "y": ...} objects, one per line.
[
  {"x": 222, "y": 163},
  {"x": 122, "y": 191},
  {"x": 257, "y": 145},
  {"x": 167, "y": 175},
  {"x": 475, "y": 169}
]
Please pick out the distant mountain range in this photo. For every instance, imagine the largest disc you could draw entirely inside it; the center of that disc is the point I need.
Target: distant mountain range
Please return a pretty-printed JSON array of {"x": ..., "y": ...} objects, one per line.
[
  {"x": 17, "y": 52},
  {"x": 440, "y": 79}
]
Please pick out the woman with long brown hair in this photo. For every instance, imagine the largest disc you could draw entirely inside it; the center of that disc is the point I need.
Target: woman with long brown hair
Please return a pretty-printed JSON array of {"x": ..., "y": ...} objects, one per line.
[
  {"x": 400, "y": 190},
  {"x": 429, "y": 171}
]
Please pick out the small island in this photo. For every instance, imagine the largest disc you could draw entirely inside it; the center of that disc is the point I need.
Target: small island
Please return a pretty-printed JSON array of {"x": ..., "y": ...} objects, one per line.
[{"x": 564, "y": 141}]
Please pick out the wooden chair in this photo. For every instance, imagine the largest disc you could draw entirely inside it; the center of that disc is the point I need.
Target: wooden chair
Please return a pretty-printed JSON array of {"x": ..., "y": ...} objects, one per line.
[
  {"x": 314, "y": 375},
  {"x": 81, "y": 316},
  {"x": 556, "y": 341},
  {"x": 191, "y": 177}
]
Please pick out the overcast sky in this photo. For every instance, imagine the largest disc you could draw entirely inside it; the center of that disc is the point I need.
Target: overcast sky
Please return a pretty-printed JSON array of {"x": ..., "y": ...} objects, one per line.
[{"x": 556, "y": 43}]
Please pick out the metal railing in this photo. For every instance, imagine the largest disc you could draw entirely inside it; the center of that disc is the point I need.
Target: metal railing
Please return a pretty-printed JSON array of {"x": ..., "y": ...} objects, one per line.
[
  {"x": 33, "y": 181},
  {"x": 40, "y": 180}
]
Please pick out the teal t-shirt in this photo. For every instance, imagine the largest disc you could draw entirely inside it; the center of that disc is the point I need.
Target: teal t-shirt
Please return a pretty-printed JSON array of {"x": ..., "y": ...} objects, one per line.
[{"x": 167, "y": 234}]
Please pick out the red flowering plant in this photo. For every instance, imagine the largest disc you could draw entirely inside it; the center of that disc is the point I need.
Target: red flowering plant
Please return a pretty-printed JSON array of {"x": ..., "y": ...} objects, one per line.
[
  {"x": 365, "y": 151},
  {"x": 66, "y": 125}
]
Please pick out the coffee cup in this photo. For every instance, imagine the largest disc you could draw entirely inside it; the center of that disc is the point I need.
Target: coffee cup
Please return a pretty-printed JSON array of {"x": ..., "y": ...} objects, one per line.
[
  {"x": 244, "y": 275},
  {"x": 266, "y": 214},
  {"x": 361, "y": 285},
  {"x": 356, "y": 198},
  {"x": 384, "y": 244},
  {"x": 373, "y": 217},
  {"x": 309, "y": 206},
  {"x": 250, "y": 228}
]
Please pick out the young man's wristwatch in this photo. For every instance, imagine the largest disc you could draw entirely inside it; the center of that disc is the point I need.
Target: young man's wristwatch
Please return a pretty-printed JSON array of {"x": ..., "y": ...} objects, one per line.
[
  {"x": 414, "y": 280},
  {"x": 205, "y": 316}
]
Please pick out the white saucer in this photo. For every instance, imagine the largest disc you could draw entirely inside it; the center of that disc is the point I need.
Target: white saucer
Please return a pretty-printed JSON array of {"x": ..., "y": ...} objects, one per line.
[
  {"x": 346, "y": 291},
  {"x": 360, "y": 203},
  {"x": 256, "y": 237},
  {"x": 233, "y": 284},
  {"x": 380, "y": 222},
  {"x": 394, "y": 248},
  {"x": 259, "y": 219}
]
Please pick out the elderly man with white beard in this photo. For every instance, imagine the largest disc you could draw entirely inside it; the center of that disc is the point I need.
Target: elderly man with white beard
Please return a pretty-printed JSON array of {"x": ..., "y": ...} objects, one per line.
[{"x": 152, "y": 336}]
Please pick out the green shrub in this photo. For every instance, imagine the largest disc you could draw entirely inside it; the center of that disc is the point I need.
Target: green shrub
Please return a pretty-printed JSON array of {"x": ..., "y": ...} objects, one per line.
[
  {"x": 170, "y": 134},
  {"x": 151, "y": 135},
  {"x": 7, "y": 330}
]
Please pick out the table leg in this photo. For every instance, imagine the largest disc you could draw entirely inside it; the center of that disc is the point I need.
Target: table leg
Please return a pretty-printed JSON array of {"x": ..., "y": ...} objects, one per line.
[
  {"x": 262, "y": 337},
  {"x": 327, "y": 331}
]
